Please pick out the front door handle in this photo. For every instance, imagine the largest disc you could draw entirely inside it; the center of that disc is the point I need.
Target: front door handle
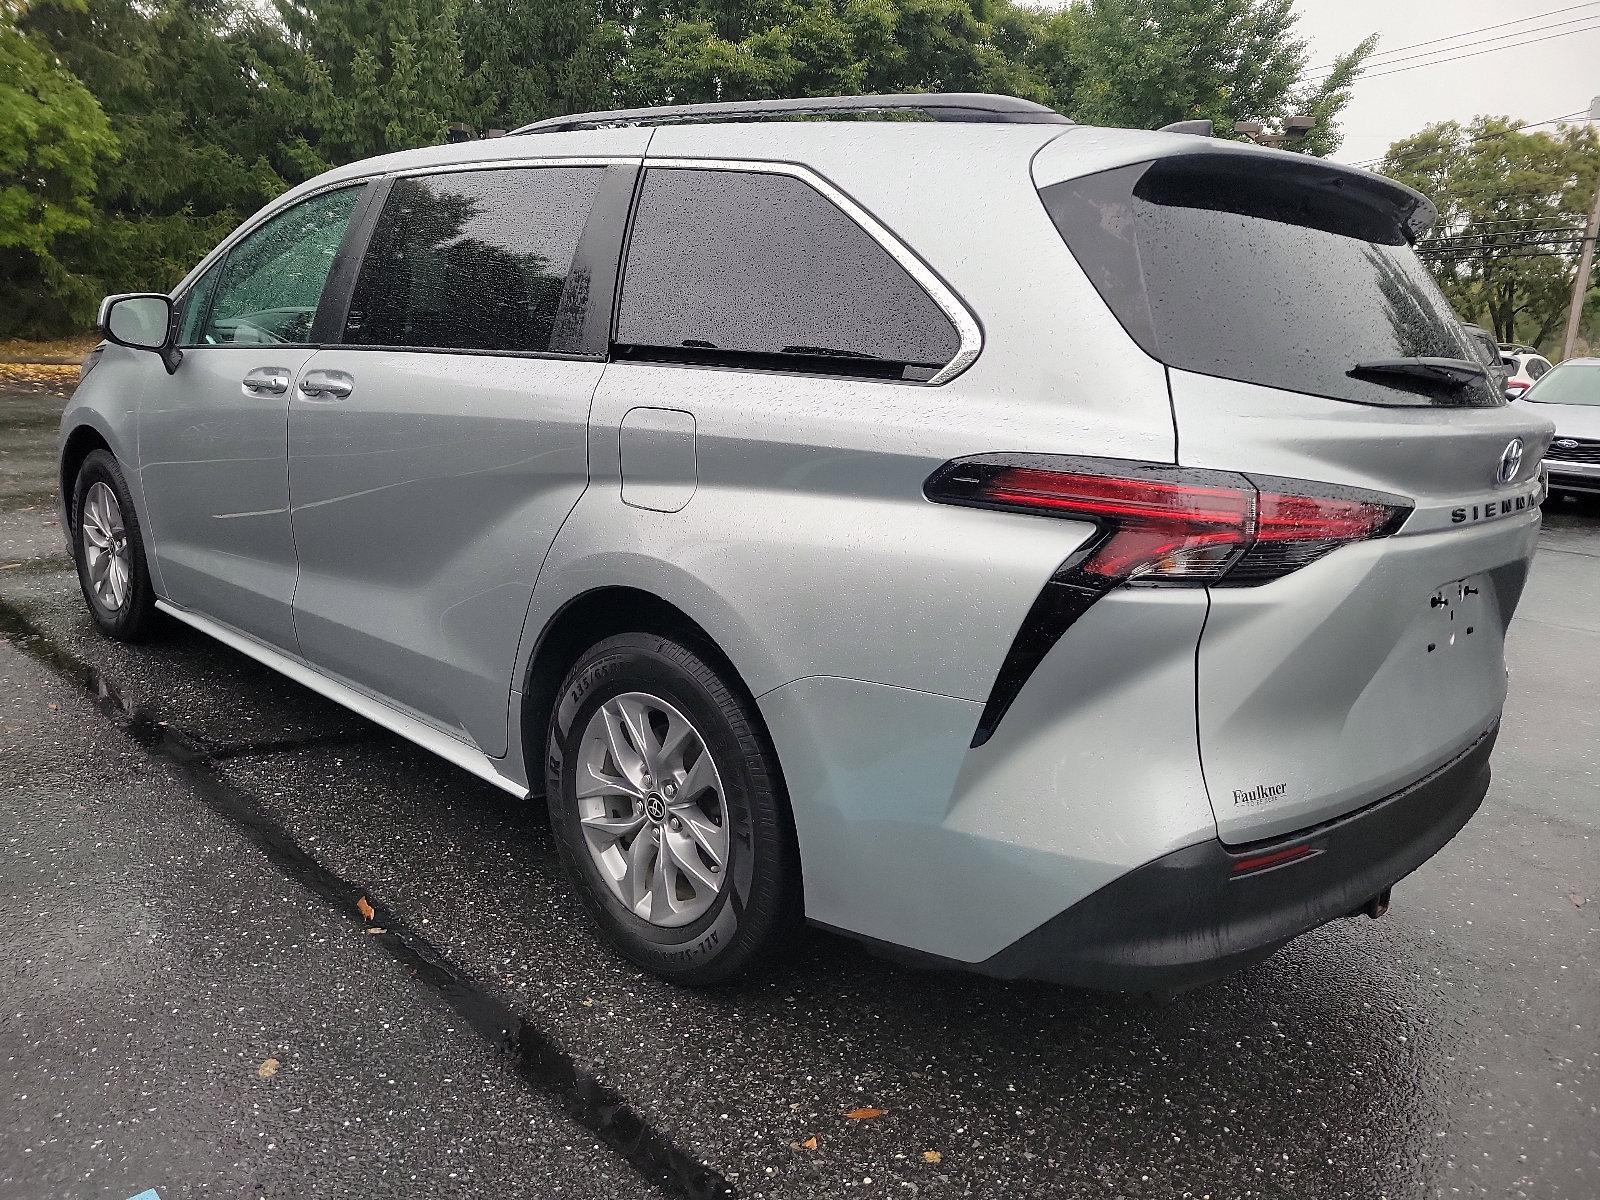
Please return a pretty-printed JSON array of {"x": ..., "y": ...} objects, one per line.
[
  {"x": 266, "y": 381},
  {"x": 326, "y": 385}
]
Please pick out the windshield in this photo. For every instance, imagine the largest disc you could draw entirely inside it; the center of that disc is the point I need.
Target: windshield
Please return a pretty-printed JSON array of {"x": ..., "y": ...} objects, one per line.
[{"x": 1570, "y": 383}]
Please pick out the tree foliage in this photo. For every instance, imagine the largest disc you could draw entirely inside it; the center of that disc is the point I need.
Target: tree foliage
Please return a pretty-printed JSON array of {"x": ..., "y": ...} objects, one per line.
[
  {"x": 218, "y": 105},
  {"x": 1503, "y": 249},
  {"x": 54, "y": 141}
]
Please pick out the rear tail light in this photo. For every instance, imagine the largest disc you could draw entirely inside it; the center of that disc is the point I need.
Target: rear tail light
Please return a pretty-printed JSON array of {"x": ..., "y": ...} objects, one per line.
[
  {"x": 1249, "y": 864},
  {"x": 1173, "y": 526}
]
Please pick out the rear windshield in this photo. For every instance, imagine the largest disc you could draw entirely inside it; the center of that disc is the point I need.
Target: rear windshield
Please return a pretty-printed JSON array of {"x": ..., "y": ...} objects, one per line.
[
  {"x": 1234, "y": 266},
  {"x": 1572, "y": 383}
]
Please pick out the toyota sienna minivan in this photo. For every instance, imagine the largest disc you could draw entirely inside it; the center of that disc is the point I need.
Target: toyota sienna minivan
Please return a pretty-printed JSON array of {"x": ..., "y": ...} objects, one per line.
[{"x": 1072, "y": 553}]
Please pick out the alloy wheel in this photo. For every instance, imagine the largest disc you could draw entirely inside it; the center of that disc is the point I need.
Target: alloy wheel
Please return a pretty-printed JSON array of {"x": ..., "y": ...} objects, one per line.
[
  {"x": 652, "y": 809},
  {"x": 105, "y": 544}
]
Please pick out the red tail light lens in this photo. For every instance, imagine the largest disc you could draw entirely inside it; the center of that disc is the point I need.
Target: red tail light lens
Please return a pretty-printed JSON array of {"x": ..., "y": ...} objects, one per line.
[{"x": 1171, "y": 525}]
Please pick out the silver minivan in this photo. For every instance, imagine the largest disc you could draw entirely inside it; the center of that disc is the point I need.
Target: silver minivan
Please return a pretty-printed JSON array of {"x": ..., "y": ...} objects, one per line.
[{"x": 1082, "y": 554}]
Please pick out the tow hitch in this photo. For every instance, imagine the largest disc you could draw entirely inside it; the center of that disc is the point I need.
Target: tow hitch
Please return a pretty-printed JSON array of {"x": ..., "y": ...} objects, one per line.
[{"x": 1375, "y": 907}]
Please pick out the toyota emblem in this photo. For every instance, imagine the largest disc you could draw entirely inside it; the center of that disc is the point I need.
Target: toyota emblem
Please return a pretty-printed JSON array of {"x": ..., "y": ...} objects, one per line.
[
  {"x": 1511, "y": 460},
  {"x": 1566, "y": 444}
]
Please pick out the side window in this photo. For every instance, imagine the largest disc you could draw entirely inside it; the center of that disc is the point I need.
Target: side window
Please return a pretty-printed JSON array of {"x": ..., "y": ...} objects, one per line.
[
  {"x": 196, "y": 301},
  {"x": 761, "y": 269},
  {"x": 1537, "y": 367},
  {"x": 272, "y": 281},
  {"x": 477, "y": 260}
]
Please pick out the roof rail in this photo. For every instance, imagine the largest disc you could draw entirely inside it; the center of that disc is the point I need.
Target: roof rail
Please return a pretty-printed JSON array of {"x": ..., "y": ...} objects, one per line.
[{"x": 936, "y": 106}]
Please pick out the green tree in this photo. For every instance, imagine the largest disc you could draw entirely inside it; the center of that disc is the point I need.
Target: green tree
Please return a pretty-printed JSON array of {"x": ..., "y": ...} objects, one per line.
[
  {"x": 370, "y": 76},
  {"x": 1144, "y": 63},
  {"x": 1512, "y": 203},
  {"x": 201, "y": 145},
  {"x": 527, "y": 59},
  {"x": 54, "y": 142}
]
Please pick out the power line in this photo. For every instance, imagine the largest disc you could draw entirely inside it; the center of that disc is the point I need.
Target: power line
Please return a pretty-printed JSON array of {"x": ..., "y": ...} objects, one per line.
[
  {"x": 1437, "y": 62},
  {"x": 1317, "y": 76},
  {"x": 1555, "y": 12}
]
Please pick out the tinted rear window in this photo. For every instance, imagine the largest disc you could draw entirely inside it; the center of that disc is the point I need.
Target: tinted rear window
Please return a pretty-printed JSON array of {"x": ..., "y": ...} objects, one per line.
[
  {"x": 763, "y": 270},
  {"x": 1224, "y": 269},
  {"x": 476, "y": 260}
]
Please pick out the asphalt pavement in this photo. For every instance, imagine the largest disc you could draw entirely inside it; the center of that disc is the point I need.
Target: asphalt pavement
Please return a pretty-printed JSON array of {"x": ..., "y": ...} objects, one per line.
[{"x": 251, "y": 945}]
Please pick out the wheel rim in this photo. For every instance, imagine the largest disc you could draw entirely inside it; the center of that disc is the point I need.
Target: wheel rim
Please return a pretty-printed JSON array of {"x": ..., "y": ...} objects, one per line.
[
  {"x": 652, "y": 809},
  {"x": 105, "y": 544}
]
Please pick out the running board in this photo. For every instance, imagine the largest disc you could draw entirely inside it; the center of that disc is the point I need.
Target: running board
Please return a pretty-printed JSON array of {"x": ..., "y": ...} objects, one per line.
[{"x": 453, "y": 750}]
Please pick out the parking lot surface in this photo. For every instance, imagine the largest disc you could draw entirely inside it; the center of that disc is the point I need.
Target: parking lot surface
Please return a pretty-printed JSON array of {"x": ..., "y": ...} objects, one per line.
[{"x": 195, "y": 999}]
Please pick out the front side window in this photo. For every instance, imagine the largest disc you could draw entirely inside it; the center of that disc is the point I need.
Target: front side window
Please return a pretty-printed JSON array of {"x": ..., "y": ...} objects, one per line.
[
  {"x": 757, "y": 269},
  {"x": 477, "y": 260},
  {"x": 272, "y": 281},
  {"x": 196, "y": 304}
]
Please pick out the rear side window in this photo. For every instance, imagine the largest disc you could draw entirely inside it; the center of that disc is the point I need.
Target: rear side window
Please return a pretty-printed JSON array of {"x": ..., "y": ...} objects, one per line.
[
  {"x": 476, "y": 260},
  {"x": 1245, "y": 269},
  {"x": 762, "y": 270},
  {"x": 1537, "y": 367}
]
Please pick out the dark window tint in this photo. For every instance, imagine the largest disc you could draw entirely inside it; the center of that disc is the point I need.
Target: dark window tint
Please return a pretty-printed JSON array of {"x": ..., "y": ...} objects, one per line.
[
  {"x": 477, "y": 260},
  {"x": 1537, "y": 367},
  {"x": 1269, "y": 273},
  {"x": 762, "y": 269},
  {"x": 273, "y": 279}
]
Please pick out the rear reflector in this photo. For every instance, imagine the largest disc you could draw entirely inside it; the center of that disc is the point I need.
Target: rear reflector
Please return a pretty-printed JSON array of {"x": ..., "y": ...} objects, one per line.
[
  {"x": 1172, "y": 525},
  {"x": 1271, "y": 858}
]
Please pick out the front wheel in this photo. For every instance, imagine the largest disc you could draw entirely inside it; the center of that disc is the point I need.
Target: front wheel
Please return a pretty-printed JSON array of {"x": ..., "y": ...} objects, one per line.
[
  {"x": 669, "y": 811},
  {"x": 111, "y": 565}
]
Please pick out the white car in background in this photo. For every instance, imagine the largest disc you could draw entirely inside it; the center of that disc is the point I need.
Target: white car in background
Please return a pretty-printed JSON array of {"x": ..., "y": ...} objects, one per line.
[
  {"x": 1524, "y": 368},
  {"x": 1571, "y": 396}
]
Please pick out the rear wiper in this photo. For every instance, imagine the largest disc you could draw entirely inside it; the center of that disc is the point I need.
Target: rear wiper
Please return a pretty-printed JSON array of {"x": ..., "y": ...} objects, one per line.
[{"x": 1448, "y": 372}]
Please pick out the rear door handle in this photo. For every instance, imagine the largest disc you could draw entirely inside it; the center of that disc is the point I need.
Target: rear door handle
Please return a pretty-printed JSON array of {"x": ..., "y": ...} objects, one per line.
[
  {"x": 266, "y": 381},
  {"x": 326, "y": 385}
]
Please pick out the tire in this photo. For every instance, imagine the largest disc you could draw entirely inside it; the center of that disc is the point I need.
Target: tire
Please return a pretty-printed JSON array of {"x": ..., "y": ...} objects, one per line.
[
  {"x": 125, "y": 611},
  {"x": 680, "y": 929}
]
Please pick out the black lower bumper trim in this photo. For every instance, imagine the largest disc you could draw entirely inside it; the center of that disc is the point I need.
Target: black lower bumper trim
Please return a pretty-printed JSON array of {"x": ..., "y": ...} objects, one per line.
[{"x": 1187, "y": 918}]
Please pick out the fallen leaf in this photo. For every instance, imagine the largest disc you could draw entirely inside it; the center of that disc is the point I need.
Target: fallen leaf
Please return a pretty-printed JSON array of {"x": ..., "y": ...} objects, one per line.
[
  {"x": 1577, "y": 900},
  {"x": 587, "y": 1002},
  {"x": 54, "y": 707},
  {"x": 931, "y": 1156},
  {"x": 376, "y": 929},
  {"x": 268, "y": 1069},
  {"x": 810, "y": 1143},
  {"x": 366, "y": 910},
  {"x": 865, "y": 1114}
]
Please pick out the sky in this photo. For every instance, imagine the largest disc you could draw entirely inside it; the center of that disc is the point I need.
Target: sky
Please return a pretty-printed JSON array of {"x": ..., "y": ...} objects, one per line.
[{"x": 1533, "y": 82}]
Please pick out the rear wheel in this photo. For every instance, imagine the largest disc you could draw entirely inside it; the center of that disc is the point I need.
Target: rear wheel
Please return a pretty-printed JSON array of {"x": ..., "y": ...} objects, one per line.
[
  {"x": 111, "y": 565},
  {"x": 668, "y": 810}
]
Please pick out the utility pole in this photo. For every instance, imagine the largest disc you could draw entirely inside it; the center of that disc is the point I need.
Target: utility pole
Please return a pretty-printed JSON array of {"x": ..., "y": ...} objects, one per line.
[{"x": 1580, "y": 284}]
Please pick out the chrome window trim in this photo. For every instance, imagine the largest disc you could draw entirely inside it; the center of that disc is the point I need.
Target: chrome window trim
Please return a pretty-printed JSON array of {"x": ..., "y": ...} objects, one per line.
[{"x": 967, "y": 328}]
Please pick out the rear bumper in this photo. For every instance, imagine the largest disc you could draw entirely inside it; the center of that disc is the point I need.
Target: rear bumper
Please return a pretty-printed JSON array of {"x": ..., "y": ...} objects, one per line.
[{"x": 1185, "y": 918}]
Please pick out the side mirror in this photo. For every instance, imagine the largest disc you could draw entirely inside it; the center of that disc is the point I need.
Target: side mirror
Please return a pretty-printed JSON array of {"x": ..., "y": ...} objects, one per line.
[
  {"x": 141, "y": 321},
  {"x": 1513, "y": 393}
]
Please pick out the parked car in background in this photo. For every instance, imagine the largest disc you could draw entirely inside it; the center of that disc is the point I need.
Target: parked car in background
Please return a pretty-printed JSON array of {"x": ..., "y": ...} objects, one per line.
[
  {"x": 739, "y": 490},
  {"x": 1483, "y": 343},
  {"x": 1524, "y": 368},
  {"x": 1571, "y": 395}
]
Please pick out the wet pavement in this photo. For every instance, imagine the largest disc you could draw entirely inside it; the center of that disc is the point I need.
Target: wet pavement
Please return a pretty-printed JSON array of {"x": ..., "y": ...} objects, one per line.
[{"x": 185, "y": 837}]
